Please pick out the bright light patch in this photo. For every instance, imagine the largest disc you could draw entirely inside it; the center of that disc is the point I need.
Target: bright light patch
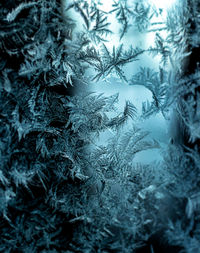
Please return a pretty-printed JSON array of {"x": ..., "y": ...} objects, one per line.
[
  {"x": 106, "y": 5},
  {"x": 163, "y": 4}
]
